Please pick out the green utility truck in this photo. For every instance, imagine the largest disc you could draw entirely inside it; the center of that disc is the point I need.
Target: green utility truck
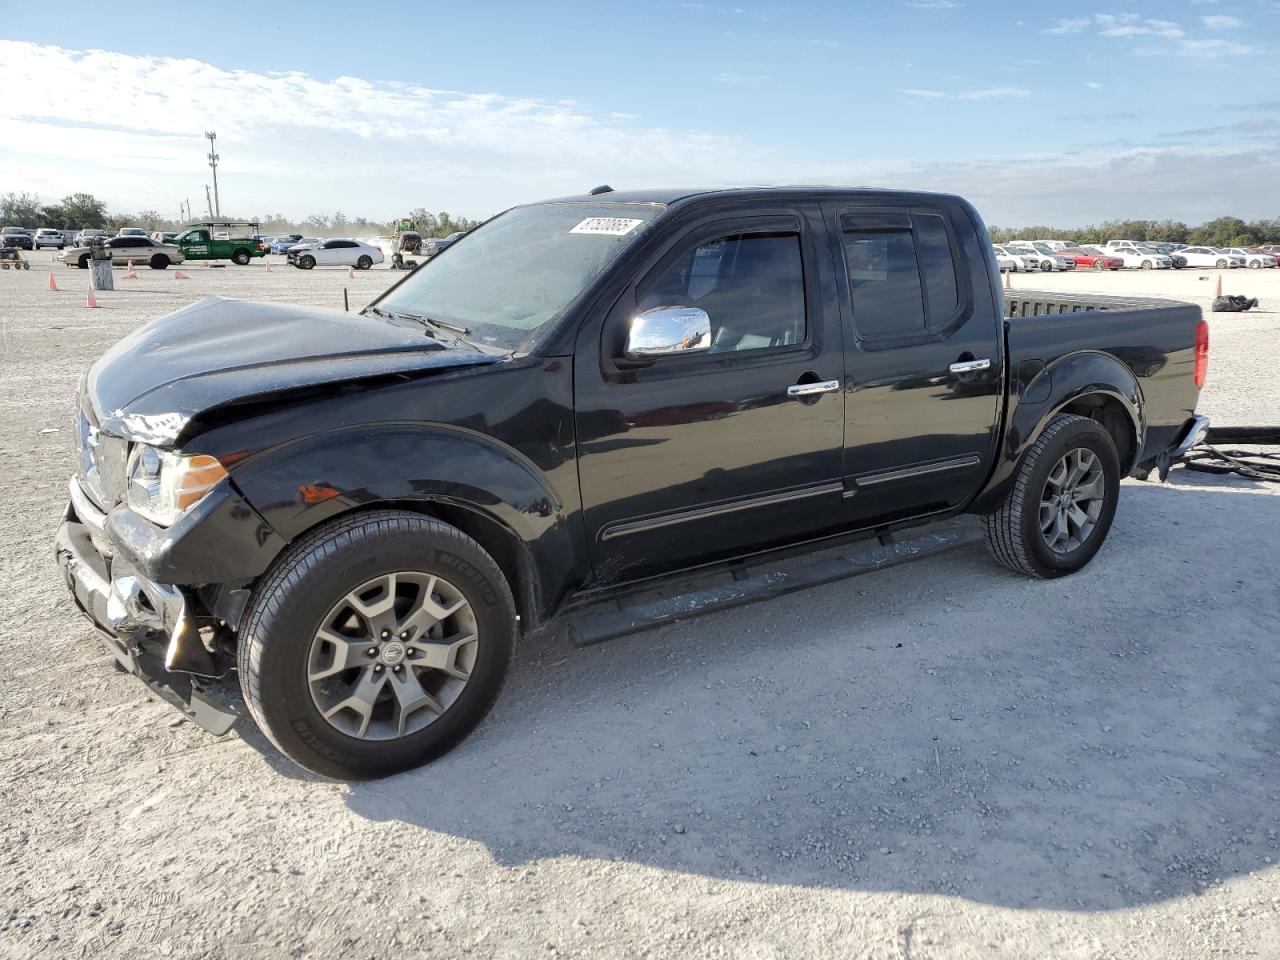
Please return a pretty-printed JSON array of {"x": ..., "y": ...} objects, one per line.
[{"x": 236, "y": 241}]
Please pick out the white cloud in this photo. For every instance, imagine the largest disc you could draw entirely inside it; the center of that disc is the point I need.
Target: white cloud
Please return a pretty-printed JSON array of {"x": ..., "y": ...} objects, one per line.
[
  {"x": 935, "y": 4},
  {"x": 293, "y": 138},
  {"x": 1069, "y": 25},
  {"x": 983, "y": 93},
  {"x": 1220, "y": 22},
  {"x": 1093, "y": 84}
]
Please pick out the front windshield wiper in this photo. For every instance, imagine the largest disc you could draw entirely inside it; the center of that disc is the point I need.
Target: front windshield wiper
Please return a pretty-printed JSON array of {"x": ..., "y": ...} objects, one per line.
[{"x": 433, "y": 326}]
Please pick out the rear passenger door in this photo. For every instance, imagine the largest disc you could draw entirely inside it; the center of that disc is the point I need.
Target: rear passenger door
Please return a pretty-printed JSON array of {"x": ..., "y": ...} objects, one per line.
[{"x": 923, "y": 358}]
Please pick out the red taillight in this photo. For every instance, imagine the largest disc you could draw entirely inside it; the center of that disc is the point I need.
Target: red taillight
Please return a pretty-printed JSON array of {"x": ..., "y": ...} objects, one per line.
[{"x": 1202, "y": 352}]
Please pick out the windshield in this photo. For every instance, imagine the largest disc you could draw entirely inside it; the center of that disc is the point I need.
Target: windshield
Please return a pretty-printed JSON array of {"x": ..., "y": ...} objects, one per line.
[
  {"x": 509, "y": 279},
  {"x": 1044, "y": 248}
]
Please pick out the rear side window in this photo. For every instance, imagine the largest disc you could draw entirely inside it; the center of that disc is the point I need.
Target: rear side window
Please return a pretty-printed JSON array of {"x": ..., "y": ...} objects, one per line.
[
  {"x": 884, "y": 283},
  {"x": 903, "y": 281}
]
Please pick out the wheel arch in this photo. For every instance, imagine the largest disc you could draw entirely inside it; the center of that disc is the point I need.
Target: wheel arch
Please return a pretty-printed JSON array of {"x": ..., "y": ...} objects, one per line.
[
  {"x": 1088, "y": 383},
  {"x": 472, "y": 482}
]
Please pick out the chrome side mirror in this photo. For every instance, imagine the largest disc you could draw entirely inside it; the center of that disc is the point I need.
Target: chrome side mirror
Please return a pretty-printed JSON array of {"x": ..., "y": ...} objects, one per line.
[{"x": 668, "y": 331}]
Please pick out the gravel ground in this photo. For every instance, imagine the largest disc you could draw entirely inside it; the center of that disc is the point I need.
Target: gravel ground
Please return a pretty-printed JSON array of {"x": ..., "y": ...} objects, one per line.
[{"x": 938, "y": 760}]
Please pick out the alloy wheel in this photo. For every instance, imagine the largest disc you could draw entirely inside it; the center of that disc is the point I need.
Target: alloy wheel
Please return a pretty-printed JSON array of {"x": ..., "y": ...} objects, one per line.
[
  {"x": 1072, "y": 500},
  {"x": 392, "y": 655}
]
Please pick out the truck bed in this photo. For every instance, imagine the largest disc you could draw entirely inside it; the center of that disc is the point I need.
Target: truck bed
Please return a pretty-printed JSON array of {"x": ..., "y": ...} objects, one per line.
[{"x": 1154, "y": 338}]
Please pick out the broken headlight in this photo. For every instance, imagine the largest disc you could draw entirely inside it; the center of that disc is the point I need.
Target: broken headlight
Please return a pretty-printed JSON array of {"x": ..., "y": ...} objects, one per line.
[{"x": 162, "y": 485}]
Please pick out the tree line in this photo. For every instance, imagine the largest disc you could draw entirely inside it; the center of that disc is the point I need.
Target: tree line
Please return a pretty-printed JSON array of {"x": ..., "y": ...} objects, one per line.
[
  {"x": 78, "y": 211},
  {"x": 1222, "y": 232}
]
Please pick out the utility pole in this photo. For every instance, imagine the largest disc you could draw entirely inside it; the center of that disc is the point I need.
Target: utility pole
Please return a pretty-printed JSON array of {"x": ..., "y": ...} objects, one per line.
[
  {"x": 207, "y": 201},
  {"x": 213, "y": 162}
]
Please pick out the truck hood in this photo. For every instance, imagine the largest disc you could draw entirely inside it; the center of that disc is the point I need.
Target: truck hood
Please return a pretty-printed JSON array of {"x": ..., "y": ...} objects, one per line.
[{"x": 216, "y": 352}]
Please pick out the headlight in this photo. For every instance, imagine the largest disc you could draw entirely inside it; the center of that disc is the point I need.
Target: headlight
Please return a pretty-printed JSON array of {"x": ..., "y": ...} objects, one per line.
[{"x": 162, "y": 486}]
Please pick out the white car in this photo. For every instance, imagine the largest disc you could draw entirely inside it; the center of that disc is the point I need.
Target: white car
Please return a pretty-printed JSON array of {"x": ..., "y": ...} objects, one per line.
[
  {"x": 1004, "y": 262},
  {"x": 1021, "y": 261},
  {"x": 1209, "y": 257},
  {"x": 1057, "y": 246},
  {"x": 1050, "y": 260},
  {"x": 342, "y": 252},
  {"x": 49, "y": 237},
  {"x": 131, "y": 232},
  {"x": 1252, "y": 259},
  {"x": 85, "y": 237},
  {"x": 1140, "y": 259}
]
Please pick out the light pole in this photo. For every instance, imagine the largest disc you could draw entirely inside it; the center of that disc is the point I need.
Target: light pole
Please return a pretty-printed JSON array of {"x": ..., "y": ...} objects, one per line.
[{"x": 213, "y": 162}]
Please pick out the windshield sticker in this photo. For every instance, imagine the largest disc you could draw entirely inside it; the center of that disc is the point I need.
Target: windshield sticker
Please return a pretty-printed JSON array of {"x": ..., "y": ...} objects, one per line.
[{"x": 607, "y": 226}]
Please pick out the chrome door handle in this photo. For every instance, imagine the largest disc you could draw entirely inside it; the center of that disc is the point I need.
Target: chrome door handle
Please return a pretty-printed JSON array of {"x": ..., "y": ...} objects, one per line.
[
  {"x": 811, "y": 389},
  {"x": 970, "y": 366}
]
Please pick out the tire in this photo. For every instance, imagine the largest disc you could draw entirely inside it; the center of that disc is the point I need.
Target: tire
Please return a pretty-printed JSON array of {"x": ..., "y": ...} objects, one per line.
[
  {"x": 1100, "y": 265},
  {"x": 1013, "y": 532},
  {"x": 364, "y": 263},
  {"x": 320, "y": 573},
  {"x": 1147, "y": 265},
  {"x": 307, "y": 263},
  {"x": 83, "y": 262},
  {"x": 159, "y": 262},
  {"x": 1221, "y": 264},
  {"x": 1046, "y": 266},
  {"x": 240, "y": 257},
  {"x": 1255, "y": 264}
]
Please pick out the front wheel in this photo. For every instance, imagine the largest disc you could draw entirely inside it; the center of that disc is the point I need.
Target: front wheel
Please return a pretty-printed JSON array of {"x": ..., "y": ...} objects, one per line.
[
  {"x": 1147, "y": 264},
  {"x": 364, "y": 263},
  {"x": 1060, "y": 508},
  {"x": 307, "y": 263},
  {"x": 1221, "y": 264},
  {"x": 376, "y": 643},
  {"x": 159, "y": 262},
  {"x": 1047, "y": 266},
  {"x": 1255, "y": 264},
  {"x": 1099, "y": 265}
]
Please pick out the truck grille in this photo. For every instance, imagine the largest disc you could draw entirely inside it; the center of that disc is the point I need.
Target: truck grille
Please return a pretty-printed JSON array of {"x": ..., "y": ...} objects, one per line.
[{"x": 102, "y": 460}]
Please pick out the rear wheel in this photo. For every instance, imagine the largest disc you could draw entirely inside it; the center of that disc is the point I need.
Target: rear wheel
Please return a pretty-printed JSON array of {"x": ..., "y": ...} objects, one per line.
[
  {"x": 1099, "y": 265},
  {"x": 1063, "y": 500},
  {"x": 364, "y": 263},
  {"x": 376, "y": 643},
  {"x": 240, "y": 257},
  {"x": 83, "y": 262},
  {"x": 159, "y": 262}
]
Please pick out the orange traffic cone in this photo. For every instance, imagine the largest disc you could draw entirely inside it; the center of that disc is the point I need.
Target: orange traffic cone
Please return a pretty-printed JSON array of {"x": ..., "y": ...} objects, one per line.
[
  {"x": 1217, "y": 287},
  {"x": 1007, "y": 275},
  {"x": 268, "y": 268},
  {"x": 351, "y": 273},
  {"x": 88, "y": 299},
  {"x": 53, "y": 284},
  {"x": 179, "y": 275},
  {"x": 131, "y": 275}
]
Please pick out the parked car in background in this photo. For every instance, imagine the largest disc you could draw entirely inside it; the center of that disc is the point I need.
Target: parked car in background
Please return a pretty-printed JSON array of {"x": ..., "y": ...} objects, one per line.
[
  {"x": 87, "y": 236},
  {"x": 19, "y": 237},
  {"x": 341, "y": 252},
  {"x": 142, "y": 251},
  {"x": 131, "y": 232},
  {"x": 1141, "y": 259},
  {"x": 1271, "y": 248},
  {"x": 1092, "y": 259},
  {"x": 1023, "y": 262},
  {"x": 1005, "y": 262},
  {"x": 1209, "y": 257},
  {"x": 1143, "y": 249},
  {"x": 433, "y": 245},
  {"x": 282, "y": 243},
  {"x": 1057, "y": 246},
  {"x": 1050, "y": 260},
  {"x": 1253, "y": 259},
  {"x": 1170, "y": 250},
  {"x": 367, "y": 511},
  {"x": 48, "y": 237}
]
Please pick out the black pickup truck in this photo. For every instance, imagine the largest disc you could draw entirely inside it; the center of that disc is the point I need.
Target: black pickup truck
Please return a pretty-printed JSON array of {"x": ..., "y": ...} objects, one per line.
[{"x": 362, "y": 513}]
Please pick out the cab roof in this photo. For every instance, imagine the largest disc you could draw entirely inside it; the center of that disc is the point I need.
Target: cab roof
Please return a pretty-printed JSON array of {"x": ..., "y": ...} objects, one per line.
[{"x": 671, "y": 196}]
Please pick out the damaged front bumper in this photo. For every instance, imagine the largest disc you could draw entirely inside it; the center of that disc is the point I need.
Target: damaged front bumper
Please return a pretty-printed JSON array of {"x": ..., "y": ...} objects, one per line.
[{"x": 146, "y": 626}]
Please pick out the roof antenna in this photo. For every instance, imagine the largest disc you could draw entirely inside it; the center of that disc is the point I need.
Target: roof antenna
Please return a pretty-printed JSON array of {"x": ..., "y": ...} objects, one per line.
[{"x": 596, "y": 191}]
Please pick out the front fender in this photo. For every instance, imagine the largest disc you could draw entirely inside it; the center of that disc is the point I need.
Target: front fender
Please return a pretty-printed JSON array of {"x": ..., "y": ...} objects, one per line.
[
  {"x": 300, "y": 484},
  {"x": 1043, "y": 395}
]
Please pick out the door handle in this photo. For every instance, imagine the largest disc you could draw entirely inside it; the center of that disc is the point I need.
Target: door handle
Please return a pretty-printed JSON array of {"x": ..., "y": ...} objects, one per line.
[
  {"x": 970, "y": 366},
  {"x": 811, "y": 389}
]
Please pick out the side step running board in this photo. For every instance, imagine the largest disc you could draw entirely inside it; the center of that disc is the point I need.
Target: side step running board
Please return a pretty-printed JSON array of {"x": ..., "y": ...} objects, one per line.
[{"x": 633, "y": 614}]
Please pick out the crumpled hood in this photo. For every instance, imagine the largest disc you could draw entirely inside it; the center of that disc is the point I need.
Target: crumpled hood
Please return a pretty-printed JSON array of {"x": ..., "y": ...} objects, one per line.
[{"x": 153, "y": 382}]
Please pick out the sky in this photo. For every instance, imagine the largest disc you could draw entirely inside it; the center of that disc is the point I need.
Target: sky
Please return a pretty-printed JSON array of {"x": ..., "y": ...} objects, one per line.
[{"x": 1058, "y": 114}]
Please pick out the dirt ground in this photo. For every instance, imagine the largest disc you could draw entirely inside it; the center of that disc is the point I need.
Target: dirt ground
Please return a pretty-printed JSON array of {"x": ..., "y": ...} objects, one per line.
[{"x": 941, "y": 760}]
